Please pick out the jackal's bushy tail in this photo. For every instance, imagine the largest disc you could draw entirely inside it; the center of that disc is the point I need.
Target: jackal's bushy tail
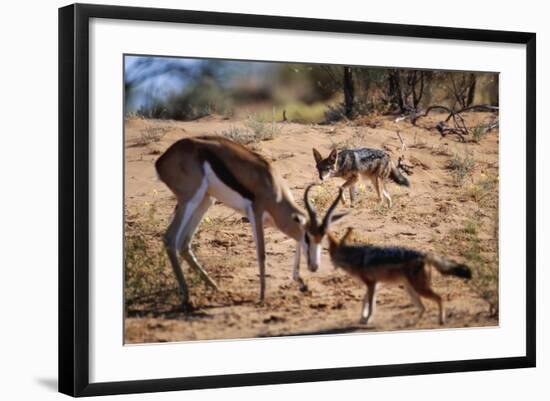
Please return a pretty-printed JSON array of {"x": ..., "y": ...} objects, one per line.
[
  {"x": 398, "y": 178},
  {"x": 448, "y": 267}
]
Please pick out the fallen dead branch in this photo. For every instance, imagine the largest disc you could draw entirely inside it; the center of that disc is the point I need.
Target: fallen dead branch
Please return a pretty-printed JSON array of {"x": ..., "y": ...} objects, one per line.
[{"x": 458, "y": 126}]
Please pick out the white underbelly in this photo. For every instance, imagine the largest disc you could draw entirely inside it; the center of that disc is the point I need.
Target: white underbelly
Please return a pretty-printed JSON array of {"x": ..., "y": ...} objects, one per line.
[{"x": 223, "y": 193}]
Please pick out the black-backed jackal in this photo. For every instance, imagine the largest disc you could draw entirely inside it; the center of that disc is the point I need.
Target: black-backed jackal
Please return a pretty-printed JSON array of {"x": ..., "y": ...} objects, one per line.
[
  {"x": 409, "y": 267},
  {"x": 353, "y": 164}
]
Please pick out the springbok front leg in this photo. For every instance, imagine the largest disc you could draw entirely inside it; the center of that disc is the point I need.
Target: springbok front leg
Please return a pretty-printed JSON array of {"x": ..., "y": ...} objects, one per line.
[
  {"x": 255, "y": 215},
  {"x": 189, "y": 232},
  {"x": 296, "y": 268}
]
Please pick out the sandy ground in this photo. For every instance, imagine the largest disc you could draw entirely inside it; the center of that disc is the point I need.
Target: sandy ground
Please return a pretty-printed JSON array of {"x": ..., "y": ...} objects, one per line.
[{"x": 425, "y": 216}]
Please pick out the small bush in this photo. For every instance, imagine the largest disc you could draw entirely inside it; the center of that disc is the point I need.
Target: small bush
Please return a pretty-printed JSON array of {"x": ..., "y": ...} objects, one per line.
[
  {"x": 150, "y": 135},
  {"x": 256, "y": 131},
  {"x": 485, "y": 270},
  {"x": 262, "y": 131},
  {"x": 195, "y": 101},
  {"x": 477, "y": 133},
  {"x": 461, "y": 167},
  {"x": 239, "y": 135},
  {"x": 483, "y": 190},
  {"x": 146, "y": 266},
  {"x": 335, "y": 113},
  {"x": 356, "y": 140},
  {"x": 301, "y": 113}
]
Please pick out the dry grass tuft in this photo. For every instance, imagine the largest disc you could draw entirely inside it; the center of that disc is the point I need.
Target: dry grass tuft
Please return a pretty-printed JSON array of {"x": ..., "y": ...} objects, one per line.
[
  {"x": 461, "y": 166},
  {"x": 484, "y": 191},
  {"x": 262, "y": 131},
  {"x": 146, "y": 271},
  {"x": 150, "y": 135},
  {"x": 254, "y": 132},
  {"x": 484, "y": 268},
  {"x": 357, "y": 139}
]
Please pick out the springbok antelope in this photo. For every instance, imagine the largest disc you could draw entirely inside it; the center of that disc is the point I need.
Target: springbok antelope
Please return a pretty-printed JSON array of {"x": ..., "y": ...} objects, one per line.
[
  {"x": 201, "y": 169},
  {"x": 373, "y": 264}
]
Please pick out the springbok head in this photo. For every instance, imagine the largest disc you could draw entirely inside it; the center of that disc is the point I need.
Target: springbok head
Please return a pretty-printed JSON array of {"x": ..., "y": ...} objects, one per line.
[{"x": 315, "y": 230}]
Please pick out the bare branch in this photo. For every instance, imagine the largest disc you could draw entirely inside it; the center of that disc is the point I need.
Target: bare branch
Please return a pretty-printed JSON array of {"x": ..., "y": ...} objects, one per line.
[{"x": 403, "y": 145}]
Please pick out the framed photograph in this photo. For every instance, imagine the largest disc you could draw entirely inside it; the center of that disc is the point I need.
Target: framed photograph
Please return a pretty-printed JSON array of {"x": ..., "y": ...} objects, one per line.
[{"x": 250, "y": 199}]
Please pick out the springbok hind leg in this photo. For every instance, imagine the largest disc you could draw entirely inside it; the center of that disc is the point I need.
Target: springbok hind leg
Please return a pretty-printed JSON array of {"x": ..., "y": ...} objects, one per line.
[
  {"x": 170, "y": 242},
  {"x": 187, "y": 237},
  {"x": 176, "y": 232}
]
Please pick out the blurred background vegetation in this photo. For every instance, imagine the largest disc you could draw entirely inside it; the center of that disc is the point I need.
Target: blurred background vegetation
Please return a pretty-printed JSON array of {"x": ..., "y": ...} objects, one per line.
[{"x": 187, "y": 89}]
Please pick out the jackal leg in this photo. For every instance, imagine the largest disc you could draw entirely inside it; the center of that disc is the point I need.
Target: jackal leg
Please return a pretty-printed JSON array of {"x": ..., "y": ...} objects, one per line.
[
  {"x": 369, "y": 303},
  {"x": 429, "y": 293},
  {"x": 187, "y": 237},
  {"x": 376, "y": 185},
  {"x": 416, "y": 300},
  {"x": 352, "y": 193},
  {"x": 350, "y": 183},
  {"x": 386, "y": 193}
]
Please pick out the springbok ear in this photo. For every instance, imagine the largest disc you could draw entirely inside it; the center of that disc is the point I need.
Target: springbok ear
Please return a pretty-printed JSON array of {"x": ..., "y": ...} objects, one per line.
[
  {"x": 337, "y": 216},
  {"x": 332, "y": 156},
  {"x": 317, "y": 156},
  {"x": 298, "y": 218}
]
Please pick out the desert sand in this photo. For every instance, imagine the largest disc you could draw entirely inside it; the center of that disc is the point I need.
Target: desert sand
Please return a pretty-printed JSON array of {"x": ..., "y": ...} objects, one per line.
[{"x": 435, "y": 214}]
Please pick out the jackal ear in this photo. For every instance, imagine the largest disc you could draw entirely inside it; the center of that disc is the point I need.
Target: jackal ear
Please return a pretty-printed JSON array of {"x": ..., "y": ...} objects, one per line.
[
  {"x": 298, "y": 218},
  {"x": 346, "y": 236},
  {"x": 317, "y": 156},
  {"x": 332, "y": 156}
]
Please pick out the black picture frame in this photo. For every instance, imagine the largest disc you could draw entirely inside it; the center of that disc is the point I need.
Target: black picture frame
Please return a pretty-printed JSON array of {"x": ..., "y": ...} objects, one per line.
[{"x": 74, "y": 198}]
